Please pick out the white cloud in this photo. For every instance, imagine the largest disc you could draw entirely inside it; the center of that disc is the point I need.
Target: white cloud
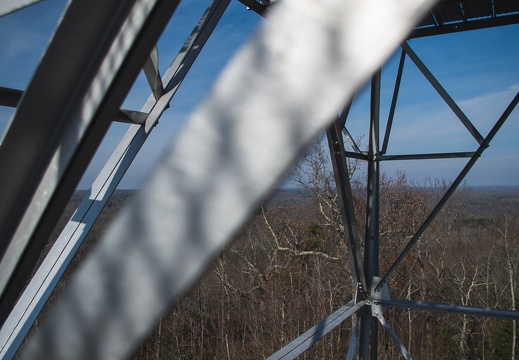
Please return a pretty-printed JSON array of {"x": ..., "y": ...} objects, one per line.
[{"x": 485, "y": 109}]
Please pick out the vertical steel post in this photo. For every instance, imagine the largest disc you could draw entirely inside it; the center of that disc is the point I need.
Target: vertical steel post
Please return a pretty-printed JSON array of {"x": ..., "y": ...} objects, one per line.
[
  {"x": 372, "y": 206},
  {"x": 369, "y": 324},
  {"x": 365, "y": 328}
]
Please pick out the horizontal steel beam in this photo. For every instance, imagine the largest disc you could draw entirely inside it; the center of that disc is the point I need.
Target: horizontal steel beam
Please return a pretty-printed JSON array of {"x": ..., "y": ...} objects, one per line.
[
  {"x": 354, "y": 155},
  {"x": 255, "y": 6},
  {"x": 452, "y": 308},
  {"x": 453, "y": 155},
  {"x": 465, "y": 26},
  {"x": 131, "y": 117},
  {"x": 10, "y": 97}
]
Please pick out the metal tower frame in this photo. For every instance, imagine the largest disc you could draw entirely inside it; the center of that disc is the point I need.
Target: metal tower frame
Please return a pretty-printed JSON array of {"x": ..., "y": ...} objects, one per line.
[
  {"x": 373, "y": 295},
  {"x": 92, "y": 77}
]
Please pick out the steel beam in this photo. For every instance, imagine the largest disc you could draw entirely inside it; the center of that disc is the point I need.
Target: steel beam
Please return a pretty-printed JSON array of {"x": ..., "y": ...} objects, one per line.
[
  {"x": 452, "y": 308},
  {"x": 151, "y": 70},
  {"x": 501, "y": 20},
  {"x": 369, "y": 325},
  {"x": 255, "y": 6},
  {"x": 441, "y": 91},
  {"x": 372, "y": 197},
  {"x": 364, "y": 333},
  {"x": 345, "y": 197},
  {"x": 10, "y": 97},
  {"x": 394, "y": 337},
  {"x": 453, "y": 155},
  {"x": 353, "y": 342},
  {"x": 131, "y": 117},
  {"x": 51, "y": 270},
  {"x": 351, "y": 141},
  {"x": 343, "y": 116},
  {"x": 394, "y": 99},
  {"x": 360, "y": 156}
]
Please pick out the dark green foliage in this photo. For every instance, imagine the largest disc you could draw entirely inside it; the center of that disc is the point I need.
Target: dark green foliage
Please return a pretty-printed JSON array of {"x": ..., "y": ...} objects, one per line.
[
  {"x": 313, "y": 239},
  {"x": 446, "y": 347},
  {"x": 477, "y": 222},
  {"x": 500, "y": 340}
]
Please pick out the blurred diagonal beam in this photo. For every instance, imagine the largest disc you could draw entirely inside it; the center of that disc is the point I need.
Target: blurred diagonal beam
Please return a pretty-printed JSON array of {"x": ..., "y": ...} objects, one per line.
[
  {"x": 304, "y": 341},
  {"x": 56, "y": 129},
  {"x": 232, "y": 152},
  {"x": 41, "y": 286}
]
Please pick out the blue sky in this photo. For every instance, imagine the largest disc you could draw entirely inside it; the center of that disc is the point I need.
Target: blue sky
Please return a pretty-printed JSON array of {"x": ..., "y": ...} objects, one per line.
[{"x": 478, "y": 69}]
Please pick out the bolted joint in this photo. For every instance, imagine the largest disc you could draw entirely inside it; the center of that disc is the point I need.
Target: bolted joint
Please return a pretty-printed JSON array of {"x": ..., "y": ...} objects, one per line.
[{"x": 379, "y": 293}]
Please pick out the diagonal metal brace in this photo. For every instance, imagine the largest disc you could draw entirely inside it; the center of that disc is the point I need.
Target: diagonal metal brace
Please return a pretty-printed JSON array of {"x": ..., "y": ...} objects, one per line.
[
  {"x": 151, "y": 70},
  {"x": 315, "y": 333},
  {"x": 342, "y": 178},
  {"x": 394, "y": 337},
  {"x": 441, "y": 91}
]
